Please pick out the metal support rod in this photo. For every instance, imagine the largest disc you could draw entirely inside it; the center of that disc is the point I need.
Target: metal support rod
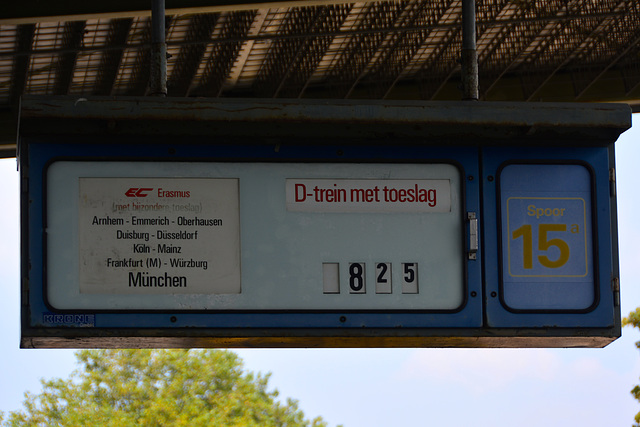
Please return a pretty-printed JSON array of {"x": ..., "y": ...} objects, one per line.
[
  {"x": 469, "y": 52},
  {"x": 158, "y": 67}
]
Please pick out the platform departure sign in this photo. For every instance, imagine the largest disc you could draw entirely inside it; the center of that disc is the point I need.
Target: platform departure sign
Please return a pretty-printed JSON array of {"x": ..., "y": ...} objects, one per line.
[
  {"x": 163, "y": 229},
  {"x": 304, "y": 224}
]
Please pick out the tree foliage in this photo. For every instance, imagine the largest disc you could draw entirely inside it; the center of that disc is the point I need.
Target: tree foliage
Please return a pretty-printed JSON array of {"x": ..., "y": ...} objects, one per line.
[
  {"x": 633, "y": 319},
  {"x": 158, "y": 388}
]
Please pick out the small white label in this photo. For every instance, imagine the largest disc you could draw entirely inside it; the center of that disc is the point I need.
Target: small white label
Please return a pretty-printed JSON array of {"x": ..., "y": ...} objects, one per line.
[
  {"x": 409, "y": 278},
  {"x": 368, "y": 195},
  {"x": 383, "y": 277},
  {"x": 331, "y": 277},
  {"x": 159, "y": 236},
  {"x": 357, "y": 278}
]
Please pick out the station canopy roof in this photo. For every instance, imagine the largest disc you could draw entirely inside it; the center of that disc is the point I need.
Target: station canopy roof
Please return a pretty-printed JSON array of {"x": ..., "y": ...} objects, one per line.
[{"x": 528, "y": 50}]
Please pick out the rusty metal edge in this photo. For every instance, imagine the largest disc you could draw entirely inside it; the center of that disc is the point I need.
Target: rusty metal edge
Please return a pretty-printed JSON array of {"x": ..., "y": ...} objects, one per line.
[
  {"x": 35, "y": 12},
  {"x": 319, "y": 342},
  {"x": 457, "y": 121},
  {"x": 481, "y": 113}
]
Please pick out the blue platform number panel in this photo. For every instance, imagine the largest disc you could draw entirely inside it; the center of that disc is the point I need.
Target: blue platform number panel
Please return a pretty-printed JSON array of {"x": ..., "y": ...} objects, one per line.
[{"x": 547, "y": 237}]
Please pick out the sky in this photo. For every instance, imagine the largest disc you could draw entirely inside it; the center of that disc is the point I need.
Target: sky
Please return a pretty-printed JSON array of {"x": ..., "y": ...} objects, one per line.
[{"x": 399, "y": 387}]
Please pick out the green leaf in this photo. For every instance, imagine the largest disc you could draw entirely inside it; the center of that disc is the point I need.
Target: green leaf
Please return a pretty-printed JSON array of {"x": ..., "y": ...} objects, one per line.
[
  {"x": 633, "y": 319},
  {"x": 122, "y": 388}
]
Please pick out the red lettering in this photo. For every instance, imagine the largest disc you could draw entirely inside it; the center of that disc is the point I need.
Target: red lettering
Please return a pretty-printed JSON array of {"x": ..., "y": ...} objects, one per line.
[
  {"x": 302, "y": 195},
  {"x": 138, "y": 192},
  {"x": 432, "y": 197}
]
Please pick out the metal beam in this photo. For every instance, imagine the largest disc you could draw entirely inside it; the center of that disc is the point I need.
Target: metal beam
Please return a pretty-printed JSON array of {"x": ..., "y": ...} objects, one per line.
[
  {"x": 369, "y": 29},
  {"x": 110, "y": 63},
  {"x": 469, "y": 52},
  {"x": 71, "y": 39},
  {"x": 24, "y": 41},
  {"x": 518, "y": 122},
  {"x": 631, "y": 45},
  {"x": 312, "y": 51},
  {"x": 139, "y": 80},
  {"x": 34, "y": 11},
  {"x": 41, "y": 339},
  {"x": 221, "y": 57},
  {"x": 573, "y": 39},
  {"x": 217, "y": 78},
  {"x": 501, "y": 58},
  {"x": 398, "y": 49},
  {"x": 420, "y": 42},
  {"x": 190, "y": 56},
  {"x": 158, "y": 65},
  {"x": 283, "y": 72},
  {"x": 468, "y": 70},
  {"x": 356, "y": 54}
]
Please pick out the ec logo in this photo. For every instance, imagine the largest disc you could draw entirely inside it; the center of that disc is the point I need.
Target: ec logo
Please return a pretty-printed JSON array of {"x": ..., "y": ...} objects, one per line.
[{"x": 138, "y": 192}]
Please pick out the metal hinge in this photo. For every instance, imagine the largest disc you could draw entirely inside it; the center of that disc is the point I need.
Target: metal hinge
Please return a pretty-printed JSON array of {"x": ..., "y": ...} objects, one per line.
[
  {"x": 615, "y": 285},
  {"x": 612, "y": 182},
  {"x": 473, "y": 235},
  {"x": 24, "y": 303}
]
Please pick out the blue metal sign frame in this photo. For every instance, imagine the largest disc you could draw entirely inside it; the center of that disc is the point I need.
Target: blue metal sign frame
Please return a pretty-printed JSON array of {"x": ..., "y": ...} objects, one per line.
[
  {"x": 529, "y": 240},
  {"x": 599, "y": 310},
  {"x": 41, "y": 155}
]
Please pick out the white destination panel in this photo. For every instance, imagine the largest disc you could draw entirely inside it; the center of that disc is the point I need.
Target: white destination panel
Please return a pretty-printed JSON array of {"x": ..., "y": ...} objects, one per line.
[
  {"x": 368, "y": 195},
  {"x": 123, "y": 235},
  {"x": 159, "y": 235}
]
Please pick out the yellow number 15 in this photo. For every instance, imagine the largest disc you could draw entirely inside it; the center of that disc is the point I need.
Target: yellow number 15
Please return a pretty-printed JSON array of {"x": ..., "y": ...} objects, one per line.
[{"x": 543, "y": 244}]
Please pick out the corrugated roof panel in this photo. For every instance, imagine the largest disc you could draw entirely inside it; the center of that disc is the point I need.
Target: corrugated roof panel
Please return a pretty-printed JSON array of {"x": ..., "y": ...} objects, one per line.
[{"x": 388, "y": 49}]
